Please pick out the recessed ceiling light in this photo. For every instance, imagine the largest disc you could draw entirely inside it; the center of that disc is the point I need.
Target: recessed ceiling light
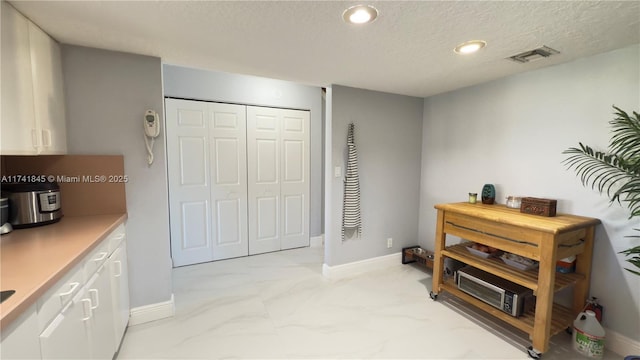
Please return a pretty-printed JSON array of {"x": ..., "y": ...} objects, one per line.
[
  {"x": 469, "y": 47},
  {"x": 360, "y": 14}
]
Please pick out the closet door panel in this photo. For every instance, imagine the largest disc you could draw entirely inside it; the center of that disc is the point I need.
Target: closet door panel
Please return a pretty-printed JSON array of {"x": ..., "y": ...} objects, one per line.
[
  {"x": 267, "y": 220},
  {"x": 263, "y": 166},
  {"x": 194, "y": 230},
  {"x": 229, "y": 222},
  {"x": 227, "y": 134},
  {"x": 293, "y": 215},
  {"x": 189, "y": 185},
  {"x": 294, "y": 188}
]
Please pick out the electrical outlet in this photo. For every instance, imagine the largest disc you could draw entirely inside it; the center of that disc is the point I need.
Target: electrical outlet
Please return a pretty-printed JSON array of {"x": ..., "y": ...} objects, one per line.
[{"x": 389, "y": 242}]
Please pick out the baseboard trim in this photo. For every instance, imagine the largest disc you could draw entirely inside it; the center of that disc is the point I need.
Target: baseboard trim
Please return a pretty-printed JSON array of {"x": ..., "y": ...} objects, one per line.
[
  {"x": 152, "y": 312},
  {"x": 621, "y": 344},
  {"x": 362, "y": 266},
  {"x": 317, "y": 241}
]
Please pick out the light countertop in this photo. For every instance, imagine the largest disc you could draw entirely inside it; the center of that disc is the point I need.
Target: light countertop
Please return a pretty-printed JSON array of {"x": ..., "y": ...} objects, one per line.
[{"x": 33, "y": 260}]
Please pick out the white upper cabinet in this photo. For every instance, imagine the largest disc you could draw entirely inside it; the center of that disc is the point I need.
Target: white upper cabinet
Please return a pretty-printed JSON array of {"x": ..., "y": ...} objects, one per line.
[
  {"x": 32, "y": 117},
  {"x": 48, "y": 98},
  {"x": 17, "y": 124}
]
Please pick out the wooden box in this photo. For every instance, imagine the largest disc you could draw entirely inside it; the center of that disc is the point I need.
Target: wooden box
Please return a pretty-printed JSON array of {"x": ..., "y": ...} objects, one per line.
[
  {"x": 538, "y": 206},
  {"x": 417, "y": 254}
]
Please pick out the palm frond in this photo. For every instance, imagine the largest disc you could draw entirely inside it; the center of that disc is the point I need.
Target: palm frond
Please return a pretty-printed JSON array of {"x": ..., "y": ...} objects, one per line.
[
  {"x": 616, "y": 172},
  {"x": 625, "y": 141},
  {"x": 633, "y": 257},
  {"x": 597, "y": 169}
]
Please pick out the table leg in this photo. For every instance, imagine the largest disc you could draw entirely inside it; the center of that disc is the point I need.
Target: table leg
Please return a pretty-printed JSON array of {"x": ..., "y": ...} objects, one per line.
[
  {"x": 545, "y": 293},
  {"x": 583, "y": 266},
  {"x": 438, "y": 261}
]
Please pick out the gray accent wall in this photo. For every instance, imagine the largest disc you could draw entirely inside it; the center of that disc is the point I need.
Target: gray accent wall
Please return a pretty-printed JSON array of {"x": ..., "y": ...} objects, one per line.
[
  {"x": 388, "y": 138},
  {"x": 107, "y": 94},
  {"x": 512, "y": 133},
  {"x": 197, "y": 84}
]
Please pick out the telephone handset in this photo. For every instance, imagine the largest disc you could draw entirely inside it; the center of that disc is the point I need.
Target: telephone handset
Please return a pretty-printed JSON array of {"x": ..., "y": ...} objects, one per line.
[
  {"x": 151, "y": 124},
  {"x": 151, "y": 131}
]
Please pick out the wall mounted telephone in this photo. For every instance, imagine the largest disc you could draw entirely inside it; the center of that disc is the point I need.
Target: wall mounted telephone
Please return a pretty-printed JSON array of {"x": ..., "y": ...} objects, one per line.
[
  {"x": 151, "y": 132},
  {"x": 152, "y": 125}
]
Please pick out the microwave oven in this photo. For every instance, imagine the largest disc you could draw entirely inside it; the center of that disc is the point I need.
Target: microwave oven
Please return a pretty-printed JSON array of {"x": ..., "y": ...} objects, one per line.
[{"x": 502, "y": 294}]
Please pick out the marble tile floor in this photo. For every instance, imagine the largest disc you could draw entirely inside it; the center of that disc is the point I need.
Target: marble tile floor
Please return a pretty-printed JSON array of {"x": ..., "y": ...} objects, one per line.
[{"x": 279, "y": 306}]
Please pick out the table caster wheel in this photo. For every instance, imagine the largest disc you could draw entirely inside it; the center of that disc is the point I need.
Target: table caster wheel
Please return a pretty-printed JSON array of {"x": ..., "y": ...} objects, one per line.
[
  {"x": 433, "y": 296},
  {"x": 533, "y": 353}
]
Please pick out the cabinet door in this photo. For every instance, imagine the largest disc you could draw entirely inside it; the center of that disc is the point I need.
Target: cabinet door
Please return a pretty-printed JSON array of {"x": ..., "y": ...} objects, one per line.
[
  {"x": 67, "y": 336},
  {"x": 278, "y": 178},
  {"x": 103, "y": 344},
  {"x": 120, "y": 290},
  {"x": 263, "y": 159},
  {"x": 206, "y": 147},
  {"x": 189, "y": 183},
  {"x": 228, "y": 154},
  {"x": 20, "y": 338},
  {"x": 48, "y": 92},
  {"x": 17, "y": 115},
  {"x": 294, "y": 187}
]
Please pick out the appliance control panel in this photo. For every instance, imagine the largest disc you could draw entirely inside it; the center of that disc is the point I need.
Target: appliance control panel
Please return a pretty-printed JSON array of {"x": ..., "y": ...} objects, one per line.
[{"x": 49, "y": 201}]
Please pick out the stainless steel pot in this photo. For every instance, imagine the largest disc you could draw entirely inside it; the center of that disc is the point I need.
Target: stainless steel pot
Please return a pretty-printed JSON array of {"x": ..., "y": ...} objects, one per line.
[
  {"x": 4, "y": 210},
  {"x": 5, "y": 227},
  {"x": 33, "y": 204}
]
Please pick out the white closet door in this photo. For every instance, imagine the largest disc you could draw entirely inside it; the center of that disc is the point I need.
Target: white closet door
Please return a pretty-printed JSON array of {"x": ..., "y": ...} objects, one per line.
[
  {"x": 294, "y": 187},
  {"x": 263, "y": 146},
  {"x": 228, "y": 149},
  {"x": 206, "y": 145},
  {"x": 278, "y": 175},
  {"x": 189, "y": 184}
]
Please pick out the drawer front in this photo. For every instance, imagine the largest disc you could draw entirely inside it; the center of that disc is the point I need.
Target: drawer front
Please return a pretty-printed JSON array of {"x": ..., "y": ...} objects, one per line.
[
  {"x": 505, "y": 237},
  {"x": 96, "y": 258},
  {"x": 115, "y": 238},
  {"x": 54, "y": 300}
]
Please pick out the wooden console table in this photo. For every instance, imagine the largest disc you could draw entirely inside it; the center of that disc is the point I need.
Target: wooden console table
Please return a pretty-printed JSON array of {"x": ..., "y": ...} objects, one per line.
[{"x": 545, "y": 239}]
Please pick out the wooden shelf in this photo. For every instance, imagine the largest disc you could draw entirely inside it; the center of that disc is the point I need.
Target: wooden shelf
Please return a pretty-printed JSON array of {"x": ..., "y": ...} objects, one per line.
[
  {"x": 496, "y": 266},
  {"x": 544, "y": 239},
  {"x": 562, "y": 317}
]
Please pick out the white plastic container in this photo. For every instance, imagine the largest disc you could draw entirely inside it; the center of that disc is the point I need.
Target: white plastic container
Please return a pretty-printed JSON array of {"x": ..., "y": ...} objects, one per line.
[{"x": 588, "y": 335}]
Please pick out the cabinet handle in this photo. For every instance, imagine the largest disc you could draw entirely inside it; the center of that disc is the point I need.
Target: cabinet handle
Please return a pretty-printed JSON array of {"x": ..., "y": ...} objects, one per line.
[
  {"x": 101, "y": 257},
  {"x": 46, "y": 137},
  {"x": 52, "y": 327},
  {"x": 74, "y": 286},
  {"x": 119, "y": 267},
  {"x": 95, "y": 298},
  {"x": 35, "y": 139},
  {"x": 86, "y": 309}
]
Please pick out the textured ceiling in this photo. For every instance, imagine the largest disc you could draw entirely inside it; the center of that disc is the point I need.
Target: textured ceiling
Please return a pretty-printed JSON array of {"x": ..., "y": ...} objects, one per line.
[{"x": 407, "y": 50}]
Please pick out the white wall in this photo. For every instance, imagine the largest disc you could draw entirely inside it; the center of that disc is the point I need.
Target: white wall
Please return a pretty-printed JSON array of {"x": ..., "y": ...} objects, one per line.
[
  {"x": 196, "y": 84},
  {"x": 512, "y": 133},
  {"x": 107, "y": 94},
  {"x": 388, "y": 139}
]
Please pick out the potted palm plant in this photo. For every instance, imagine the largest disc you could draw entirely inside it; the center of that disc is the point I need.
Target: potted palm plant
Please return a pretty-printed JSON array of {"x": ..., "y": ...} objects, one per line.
[{"x": 616, "y": 171}]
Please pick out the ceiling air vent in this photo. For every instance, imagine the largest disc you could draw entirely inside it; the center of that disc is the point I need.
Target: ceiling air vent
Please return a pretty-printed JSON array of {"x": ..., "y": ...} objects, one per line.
[{"x": 535, "y": 54}]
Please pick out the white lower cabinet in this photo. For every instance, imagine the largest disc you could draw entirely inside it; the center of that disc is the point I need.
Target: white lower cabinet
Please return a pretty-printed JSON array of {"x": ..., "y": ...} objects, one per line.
[
  {"x": 119, "y": 290},
  {"x": 20, "y": 338},
  {"x": 101, "y": 335},
  {"x": 67, "y": 336},
  {"x": 83, "y": 316}
]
